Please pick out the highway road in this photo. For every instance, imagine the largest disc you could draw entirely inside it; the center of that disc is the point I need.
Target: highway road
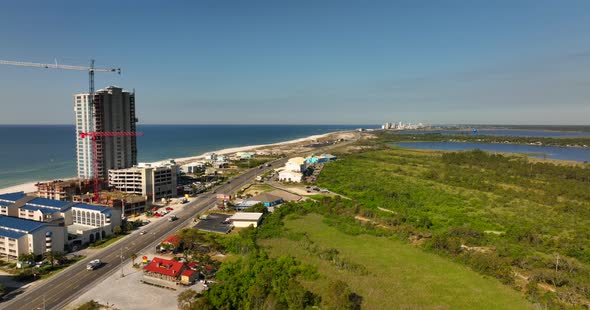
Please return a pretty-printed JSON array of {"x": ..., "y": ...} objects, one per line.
[{"x": 57, "y": 291}]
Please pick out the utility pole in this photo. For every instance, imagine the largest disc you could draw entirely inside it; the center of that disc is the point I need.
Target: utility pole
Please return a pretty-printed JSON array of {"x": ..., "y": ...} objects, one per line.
[{"x": 122, "y": 274}]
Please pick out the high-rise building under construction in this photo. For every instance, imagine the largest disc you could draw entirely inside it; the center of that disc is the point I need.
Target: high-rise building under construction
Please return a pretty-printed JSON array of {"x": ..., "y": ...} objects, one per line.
[{"x": 112, "y": 110}]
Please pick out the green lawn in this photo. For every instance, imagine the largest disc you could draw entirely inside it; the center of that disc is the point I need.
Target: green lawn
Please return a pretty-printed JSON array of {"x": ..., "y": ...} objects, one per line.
[
  {"x": 107, "y": 242},
  {"x": 400, "y": 276}
]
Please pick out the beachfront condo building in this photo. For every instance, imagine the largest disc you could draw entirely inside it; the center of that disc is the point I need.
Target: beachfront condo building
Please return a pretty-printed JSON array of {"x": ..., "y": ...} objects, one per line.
[
  {"x": 152, "y": 180},
  {"x": 113, "y": 110}
]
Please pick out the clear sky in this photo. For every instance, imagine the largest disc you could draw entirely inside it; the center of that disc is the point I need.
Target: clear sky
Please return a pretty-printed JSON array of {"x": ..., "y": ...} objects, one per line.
[{"x": 304, "y": 62}]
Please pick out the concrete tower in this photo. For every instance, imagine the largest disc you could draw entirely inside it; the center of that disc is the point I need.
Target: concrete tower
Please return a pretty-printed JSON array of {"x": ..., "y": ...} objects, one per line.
[{"x": 114, "y": 110}]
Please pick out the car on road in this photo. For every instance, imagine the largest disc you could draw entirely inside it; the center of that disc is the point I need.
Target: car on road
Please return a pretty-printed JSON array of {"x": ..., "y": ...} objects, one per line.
[
  {"x": 172, "y": 218},
  {"x": 93, "y": 264},
  {"x": 143, "y": 233}
]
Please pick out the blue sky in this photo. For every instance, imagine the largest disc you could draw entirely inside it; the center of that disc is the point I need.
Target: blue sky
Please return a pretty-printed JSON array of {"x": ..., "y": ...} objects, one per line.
[{"x": 304, "y": 62}]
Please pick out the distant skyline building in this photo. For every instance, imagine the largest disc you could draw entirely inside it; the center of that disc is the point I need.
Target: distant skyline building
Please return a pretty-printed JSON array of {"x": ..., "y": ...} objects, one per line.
[{"x": 113, "y": 111}]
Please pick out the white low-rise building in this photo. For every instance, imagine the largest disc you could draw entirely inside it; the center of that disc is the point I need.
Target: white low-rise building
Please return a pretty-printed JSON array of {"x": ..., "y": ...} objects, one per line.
[
  {"x": 20, "y": 236},
  {"x": 153, "y": 180},
  {"x": 290, "y": 176},
  {"x": 91, "y": 222},
  {"x": 293, "y": 170},
  {"x": 245, "y": 219},
  {"x": 296, "y": 164},
  {"x": 59, "y": 223},
  {"x": 193, "y": 168}
]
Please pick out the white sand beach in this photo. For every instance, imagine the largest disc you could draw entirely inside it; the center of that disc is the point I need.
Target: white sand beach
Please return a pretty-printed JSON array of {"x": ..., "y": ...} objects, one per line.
[{"x": 30, "y": 186}]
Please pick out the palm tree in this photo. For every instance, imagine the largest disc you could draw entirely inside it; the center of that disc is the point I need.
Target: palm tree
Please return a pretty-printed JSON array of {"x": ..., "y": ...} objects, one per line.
[
  {"x": 133, "y": 256},
  {"x": 60, "y": 257},
  {"x": 50, "y": 256}
]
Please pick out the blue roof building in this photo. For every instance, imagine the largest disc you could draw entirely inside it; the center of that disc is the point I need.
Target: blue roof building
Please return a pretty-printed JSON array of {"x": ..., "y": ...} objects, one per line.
[
  {"x": 50, "y": 204},
  {"x": 41, "y": 236},
  {"x": 18, "y": 224},
  {"x": 12, "y": 197}
]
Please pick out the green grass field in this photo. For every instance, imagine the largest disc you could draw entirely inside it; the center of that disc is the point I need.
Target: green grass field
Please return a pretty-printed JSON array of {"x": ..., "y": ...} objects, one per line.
[{"x": 399, "y": 276}]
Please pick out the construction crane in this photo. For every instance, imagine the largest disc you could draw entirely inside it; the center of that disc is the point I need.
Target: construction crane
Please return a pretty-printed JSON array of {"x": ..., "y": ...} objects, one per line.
[
  {"x": 94, "y": 136},
  {"x": 90, "y": 69}
]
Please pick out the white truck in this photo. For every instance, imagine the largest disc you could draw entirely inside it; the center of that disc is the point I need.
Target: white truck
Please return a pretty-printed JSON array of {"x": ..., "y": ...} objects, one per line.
[{"x": 93, "y": 264}]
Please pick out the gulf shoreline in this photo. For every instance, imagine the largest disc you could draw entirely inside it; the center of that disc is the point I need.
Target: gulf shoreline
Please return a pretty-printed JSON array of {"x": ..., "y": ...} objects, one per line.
[{"x": 29, "y": 187}]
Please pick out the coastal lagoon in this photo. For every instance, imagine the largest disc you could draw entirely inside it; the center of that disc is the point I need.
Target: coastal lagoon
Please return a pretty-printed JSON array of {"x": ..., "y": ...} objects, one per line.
[
  {"x": 506, "y": 132},
  {"x": 549, "y": 152}
]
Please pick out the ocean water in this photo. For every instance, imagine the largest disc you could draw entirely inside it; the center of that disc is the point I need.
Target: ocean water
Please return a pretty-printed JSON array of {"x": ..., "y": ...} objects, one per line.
[
  {"x": 538, "y": 151},
  {"x": 33, "y": 153}
]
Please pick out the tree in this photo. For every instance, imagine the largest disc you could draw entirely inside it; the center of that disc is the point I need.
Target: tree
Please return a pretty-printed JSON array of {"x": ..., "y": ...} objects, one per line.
[
  {"x": 50, "y": 257},
  {"x": 118, "y": 230},
  {"x": 133, "y": 256},
  {"x": 26, "y": 257},
  {"x": 129, "y": 226},
  {"x": 339, "y": 297},
  {"x": 91, "y": 305},
  {"x": 59, "y": 257},
  {"x": 186, "y": 299},
  {"x": 259, "y": 207}
]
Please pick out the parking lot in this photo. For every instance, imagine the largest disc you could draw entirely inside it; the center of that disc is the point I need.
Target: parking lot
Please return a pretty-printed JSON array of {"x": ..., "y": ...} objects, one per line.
[
  {"x": 129, "y": 292},
  {"x": 215, "y": 222}
]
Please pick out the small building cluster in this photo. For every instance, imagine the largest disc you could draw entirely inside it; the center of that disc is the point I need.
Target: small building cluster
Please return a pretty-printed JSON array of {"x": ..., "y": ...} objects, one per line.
[
  {"x": 402, "y": 126},
  {"x": 295, "y": 168}
]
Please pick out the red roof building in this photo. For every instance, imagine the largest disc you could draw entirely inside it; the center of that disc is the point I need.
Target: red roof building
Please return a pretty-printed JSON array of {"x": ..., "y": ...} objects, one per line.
[
  {"x": 165, "y": 267},
  {"x": 168, "y": 273},
  {"x": 172, "y": 243},
  {"x": 174, "y": 240},
  {"x": 188, "y": 277}
]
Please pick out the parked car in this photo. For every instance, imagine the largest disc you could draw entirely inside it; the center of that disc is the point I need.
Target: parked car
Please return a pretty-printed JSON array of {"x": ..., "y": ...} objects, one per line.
[{"x": 169, "y": 209}]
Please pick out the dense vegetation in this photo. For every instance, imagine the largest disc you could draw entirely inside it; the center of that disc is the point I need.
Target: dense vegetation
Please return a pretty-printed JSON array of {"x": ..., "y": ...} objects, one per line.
[
  {"x": 255, "y": 281},
  {"x": 523, "y": 222},
  {"x": 392, "y": 274}
]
